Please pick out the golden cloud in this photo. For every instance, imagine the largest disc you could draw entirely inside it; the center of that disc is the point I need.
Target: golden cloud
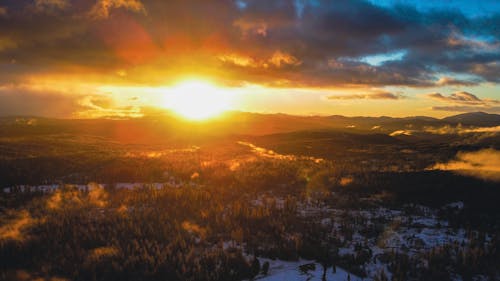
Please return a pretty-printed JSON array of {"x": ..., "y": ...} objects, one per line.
[
  {"x": 102, "y": 8},
  {"x": 280, "y": 58},
  {"x": 277, "y": 59}
]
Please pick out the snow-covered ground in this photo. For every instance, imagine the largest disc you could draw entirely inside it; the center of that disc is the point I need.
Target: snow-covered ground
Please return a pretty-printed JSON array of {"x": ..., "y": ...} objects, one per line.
[
  {"x": 414, "y": 230},
  {"x": 290, "y": 271},
  {"x": 86, "y": 187}
]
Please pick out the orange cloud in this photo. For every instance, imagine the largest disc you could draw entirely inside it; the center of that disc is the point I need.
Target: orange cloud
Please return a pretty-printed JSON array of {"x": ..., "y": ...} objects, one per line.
[
  {"x": 239, "y": 60},
  {"x": 280, "y": 58},
  {"x": 375, "y": 95},
  {"x": 102, "y": 8},
  {"x": 277, "y": 59}
]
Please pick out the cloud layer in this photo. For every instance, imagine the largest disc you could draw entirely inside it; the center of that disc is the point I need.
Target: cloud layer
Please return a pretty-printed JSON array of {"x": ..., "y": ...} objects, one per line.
[
  {"x": 465, "y": 102},
  {"x": 375, "y": 51},
  {"x": 280, "y": 43},
  {"x": 376, "y": 95}
]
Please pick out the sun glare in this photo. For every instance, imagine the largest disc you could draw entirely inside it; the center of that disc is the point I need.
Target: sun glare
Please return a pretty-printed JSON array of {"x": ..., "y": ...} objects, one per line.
[{"x": 198, "y": 100}]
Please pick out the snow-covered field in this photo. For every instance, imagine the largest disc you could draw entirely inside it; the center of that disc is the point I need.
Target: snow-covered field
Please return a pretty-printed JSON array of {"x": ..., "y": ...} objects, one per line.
[
  {"x": 290, "y": 271},
  {"x": 85, "y": 187}
]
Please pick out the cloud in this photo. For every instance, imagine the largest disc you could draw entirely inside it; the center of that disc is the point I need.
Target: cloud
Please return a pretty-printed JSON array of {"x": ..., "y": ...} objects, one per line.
[
  {"x": 402, "y": 133},
  {"x": 380, "y": 95},
  {"x": 278, "y": 59},
  {"x": 315, "y": 44},
  {"x": 484, "y": 164},
  {"x": 450, "y": 81},
  {"x": 240, "y": 60},
  {"x": 247, "y": 27},
  {"x": 102, "y": 8},
  {"x": 51, "y": 5},
  {"x": 465, "y": 102},
  {"x": 458, "y": 39},
  {"x": 457, "y": 97}
]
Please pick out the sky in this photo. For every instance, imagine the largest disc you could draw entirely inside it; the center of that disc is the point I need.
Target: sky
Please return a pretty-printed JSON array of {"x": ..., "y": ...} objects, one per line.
[{"x": 127, "y": 58}]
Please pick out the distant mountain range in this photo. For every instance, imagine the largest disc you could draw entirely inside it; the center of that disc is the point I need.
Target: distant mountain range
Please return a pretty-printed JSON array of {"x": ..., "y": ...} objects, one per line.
[
  {"x": 275, "y": 123},
  {"x": 475, "y": 119},
  {"x": 235, "y": 123}
]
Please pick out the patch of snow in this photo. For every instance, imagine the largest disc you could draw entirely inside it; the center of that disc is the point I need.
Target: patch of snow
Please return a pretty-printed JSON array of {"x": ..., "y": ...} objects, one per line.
[
  {"x": 289, "y": 271},
  {"x": 455, "y": 205}
]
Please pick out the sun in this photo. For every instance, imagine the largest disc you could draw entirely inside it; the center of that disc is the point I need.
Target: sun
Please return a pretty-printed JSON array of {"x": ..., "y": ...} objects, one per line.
[{"x": 198, "y": 100}]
